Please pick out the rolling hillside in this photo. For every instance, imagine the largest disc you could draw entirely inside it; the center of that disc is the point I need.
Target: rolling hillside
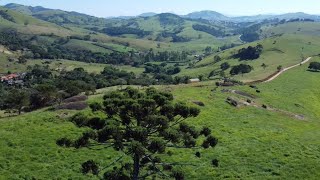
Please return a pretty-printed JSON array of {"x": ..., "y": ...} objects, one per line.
[
  {"x": 273, "y": 144},
  {"x": 285, "y": 45}
]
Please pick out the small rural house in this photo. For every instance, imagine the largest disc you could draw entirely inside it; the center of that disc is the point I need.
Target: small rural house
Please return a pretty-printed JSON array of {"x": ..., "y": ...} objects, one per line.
[{"x": 196, "y": 80}]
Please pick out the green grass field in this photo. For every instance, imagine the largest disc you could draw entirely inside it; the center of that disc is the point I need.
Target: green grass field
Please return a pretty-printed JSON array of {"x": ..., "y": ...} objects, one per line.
[
  {"x": 253, "y": 143},
  {"x": 57, "y": 65}
]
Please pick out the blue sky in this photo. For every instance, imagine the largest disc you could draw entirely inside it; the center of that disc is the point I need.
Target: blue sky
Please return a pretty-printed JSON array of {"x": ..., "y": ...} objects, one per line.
[{"x": 106, "y": 8}]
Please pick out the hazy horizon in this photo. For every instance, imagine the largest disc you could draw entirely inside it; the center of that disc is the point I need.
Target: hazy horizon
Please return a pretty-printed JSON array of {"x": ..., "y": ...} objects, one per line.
[{"x": 102, "y": 8}]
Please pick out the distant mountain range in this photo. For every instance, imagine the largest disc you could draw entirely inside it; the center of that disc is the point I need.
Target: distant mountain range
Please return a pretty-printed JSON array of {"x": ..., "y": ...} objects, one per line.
[{"x": 206, "y": 15}]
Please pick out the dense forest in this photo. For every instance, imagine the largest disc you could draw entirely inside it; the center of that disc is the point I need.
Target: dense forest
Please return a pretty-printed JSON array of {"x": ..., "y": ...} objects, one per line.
[
  {"x": 249, "y": 53},
  {"x": 209, "y": 30}
]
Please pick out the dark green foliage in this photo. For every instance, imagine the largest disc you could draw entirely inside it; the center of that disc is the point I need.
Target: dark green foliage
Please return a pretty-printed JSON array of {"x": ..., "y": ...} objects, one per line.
[
  {"x": 314, "y": 66},
  {"x": 224, "y": 66},
  {"x": 165, "y": 56},
  {"x": 215, "y": 162},
  {"x": 250, "y": 37},
  {"x": 176, "y": 38},
  {"x": 178, "y": 175},
  {"x": 116, "y": 174},
  {"x": 43, "y": 95},
  {"x": 142, "y": 125},
  {"x": 159, "y": 69},
  {"x": 209, "y": 30},
  {"x": 16, "y": 100},
  {"x": 6, "y": 16},
  {"x": 11, "y": 39},
  {"x": 210, "y": 141},
  {"x": 249, "y": 53},
  {"x": 95, "y": 106},
  {"x": 116, "y": 31},
  {"x": 205, "y": 131},
  {"x": 241, "y": 69},
  {"x": 198, "y": 154},
  {"x": 249, "y": 34},
  {"x": 64, "y": 142},
  {"x": 90, "y": 167}
]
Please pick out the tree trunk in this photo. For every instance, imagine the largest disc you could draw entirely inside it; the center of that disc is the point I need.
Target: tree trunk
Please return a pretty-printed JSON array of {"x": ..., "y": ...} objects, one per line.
[{"x": 136, "y": 167}]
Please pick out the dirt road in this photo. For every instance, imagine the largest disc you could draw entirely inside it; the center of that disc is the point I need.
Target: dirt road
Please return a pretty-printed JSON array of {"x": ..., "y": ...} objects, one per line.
[{"x": 286, "y": 69}]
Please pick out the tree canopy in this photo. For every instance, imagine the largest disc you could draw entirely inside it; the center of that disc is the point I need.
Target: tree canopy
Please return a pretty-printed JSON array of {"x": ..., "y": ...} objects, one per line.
[{"x": 142, "y": 125}]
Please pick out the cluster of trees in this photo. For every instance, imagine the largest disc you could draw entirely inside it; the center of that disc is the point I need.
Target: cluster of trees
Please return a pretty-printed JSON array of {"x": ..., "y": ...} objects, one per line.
[
  {"x": 42, "y": 88},
  {"x": 165, "y": 56},
  {"x": 68, "y": 18},
  {"x": 174, "y": 35},
  {"x": 249, "y": 53},
  {"x": 142, "y": 125},
  {"x": 117, "y": 31},
  {"x": 176, "y": 38},
  {"x": 249, "y": 34},
  {"x": 12, "y": 40},
  {"x": 15, "y": 41},
  {"x": 161, "y": 69},
  {"x": 209, "y": 30},
  {"x": 241, "y": 69},
  {"x": 250, "y": 37},
  {"x": 315, "y": 66},
  {"x": 4, "y": 14},
  {"x": 302, "y": 20}
]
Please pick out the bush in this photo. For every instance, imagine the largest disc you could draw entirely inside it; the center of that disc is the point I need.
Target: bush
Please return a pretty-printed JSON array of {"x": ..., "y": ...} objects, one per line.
[
  {"x": 224, "y": 66},
  {"x": 178, "y": 175},
  {"x": 95, "y": 106},
  {"x": 73, "y": 106},
  {"x": 64, "y": 142},
  {"x": 249, "y": 53},
  {"x": 314, "y": 66},
  {"x": 215, "y": 162},
  {"x": 90, "y": 166},
  {"x": 205, "y": 131},
  {"x": 198, "y": 154},
  {"x": 241, "y": 69},
  {"x": 76, "y": 99},
  {"x": 199, "y": 103}
]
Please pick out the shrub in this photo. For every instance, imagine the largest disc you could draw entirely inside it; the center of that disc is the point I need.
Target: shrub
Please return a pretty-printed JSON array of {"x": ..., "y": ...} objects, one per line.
[
  {"x": 198, "y": 154},
  {"x": 205, "y": 131},
  {"x": 73, "y": 106},
  {"x": 64, "y": 142},
  {"x": 95, "y": 106},
  {"x": 241, "y": 69},
  {"x": 90, "y": 166},
  {"x": 76, "y": 99},
  {"x": 215, "y": 162},
  {"x": 314, "y": 66},
  {"x": 199, "y": 103}
]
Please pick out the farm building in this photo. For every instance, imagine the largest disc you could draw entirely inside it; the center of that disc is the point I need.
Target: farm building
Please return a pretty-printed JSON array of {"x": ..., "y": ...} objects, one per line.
[{"x": 196, "y": 80}]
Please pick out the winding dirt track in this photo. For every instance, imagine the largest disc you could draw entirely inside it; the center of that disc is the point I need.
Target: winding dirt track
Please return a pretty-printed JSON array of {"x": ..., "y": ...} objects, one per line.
[{"x": 286, "y": 69}]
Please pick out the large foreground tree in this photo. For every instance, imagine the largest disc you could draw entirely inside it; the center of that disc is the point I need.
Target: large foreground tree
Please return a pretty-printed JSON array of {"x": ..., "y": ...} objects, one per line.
[{"x": 142, "y": 124}]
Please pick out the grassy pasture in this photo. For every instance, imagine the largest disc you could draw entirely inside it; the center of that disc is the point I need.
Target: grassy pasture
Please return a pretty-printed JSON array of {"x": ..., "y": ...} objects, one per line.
[
  {"x": 253, "y": 143},
  {"x": 285, "y": 50}
]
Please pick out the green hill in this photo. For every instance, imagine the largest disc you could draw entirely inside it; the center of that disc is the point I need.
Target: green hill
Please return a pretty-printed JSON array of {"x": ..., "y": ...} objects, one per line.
[
  {"x": 253, "y": 142},
  {"x": 285, "y": 45}
]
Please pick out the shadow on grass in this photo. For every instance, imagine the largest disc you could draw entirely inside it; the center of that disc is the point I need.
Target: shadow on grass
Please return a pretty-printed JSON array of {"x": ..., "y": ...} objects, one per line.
[{"x": 312, "y": 70}]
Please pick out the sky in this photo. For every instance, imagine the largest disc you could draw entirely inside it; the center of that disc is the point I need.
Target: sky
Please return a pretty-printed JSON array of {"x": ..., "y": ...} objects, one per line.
[{"x": 107, "y": 8}]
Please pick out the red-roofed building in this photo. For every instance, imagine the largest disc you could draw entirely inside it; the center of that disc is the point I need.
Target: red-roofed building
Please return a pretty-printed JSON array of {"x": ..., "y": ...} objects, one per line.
[{"x": 9, "y": 77}]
